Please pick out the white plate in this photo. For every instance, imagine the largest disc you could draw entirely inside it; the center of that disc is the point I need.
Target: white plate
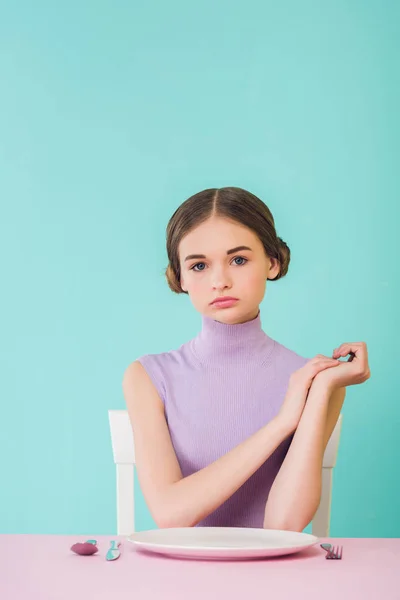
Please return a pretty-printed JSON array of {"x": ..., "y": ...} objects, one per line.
[{"x": 221, "y": 542}]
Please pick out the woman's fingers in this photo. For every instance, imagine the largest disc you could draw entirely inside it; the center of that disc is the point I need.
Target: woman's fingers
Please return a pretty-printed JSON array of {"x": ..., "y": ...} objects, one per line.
[
  {"x": 324, "y": 363},
  {"x": 347, "y": 347},
  {"x": 321, "y": 357},
  {"x": 357, "y": 350}
]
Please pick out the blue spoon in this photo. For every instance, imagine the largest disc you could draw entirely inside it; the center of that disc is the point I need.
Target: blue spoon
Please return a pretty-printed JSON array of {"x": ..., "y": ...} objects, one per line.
[{"x": 113, "y": 553}]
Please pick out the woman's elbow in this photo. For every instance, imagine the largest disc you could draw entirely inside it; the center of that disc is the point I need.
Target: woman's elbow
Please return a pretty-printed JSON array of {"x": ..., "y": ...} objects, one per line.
[
  {"x": 283, "y": 525},
  {"x": 165, "y": 520}
]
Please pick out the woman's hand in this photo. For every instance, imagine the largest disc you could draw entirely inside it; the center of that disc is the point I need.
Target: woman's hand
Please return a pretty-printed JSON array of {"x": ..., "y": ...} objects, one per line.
[
  {"x": 299, "y": 384},
  {"x": 348, "y": 373}
]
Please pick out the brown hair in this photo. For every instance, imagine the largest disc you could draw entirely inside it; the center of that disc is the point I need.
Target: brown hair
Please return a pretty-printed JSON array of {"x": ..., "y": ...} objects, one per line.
[{"x": 230, "y": 202}]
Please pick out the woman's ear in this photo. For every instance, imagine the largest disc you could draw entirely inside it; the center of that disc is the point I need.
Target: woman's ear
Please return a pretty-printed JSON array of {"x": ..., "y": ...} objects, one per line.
[
  {"x": 182, "y": 284},
  {"x": 274, "y": 268}
]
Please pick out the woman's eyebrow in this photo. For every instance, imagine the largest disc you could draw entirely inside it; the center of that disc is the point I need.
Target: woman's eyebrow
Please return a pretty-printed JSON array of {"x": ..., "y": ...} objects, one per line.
[{"x": 231, "y": 251}]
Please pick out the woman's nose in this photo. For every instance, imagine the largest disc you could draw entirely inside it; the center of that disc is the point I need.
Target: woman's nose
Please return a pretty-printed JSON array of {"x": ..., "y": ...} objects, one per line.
[{"x": 221, "y": 282}]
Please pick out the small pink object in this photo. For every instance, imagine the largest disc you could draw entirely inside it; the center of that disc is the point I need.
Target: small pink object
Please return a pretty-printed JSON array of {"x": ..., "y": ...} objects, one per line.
[{"x": 84, "y": 548}]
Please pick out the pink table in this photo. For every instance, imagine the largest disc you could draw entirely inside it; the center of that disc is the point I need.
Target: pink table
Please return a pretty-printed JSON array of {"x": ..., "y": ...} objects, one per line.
[{"x": 42, "y": 567}]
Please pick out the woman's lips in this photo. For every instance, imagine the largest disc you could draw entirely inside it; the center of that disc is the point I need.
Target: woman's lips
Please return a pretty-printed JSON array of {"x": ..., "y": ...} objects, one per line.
[{"x": 225, "y": 303}]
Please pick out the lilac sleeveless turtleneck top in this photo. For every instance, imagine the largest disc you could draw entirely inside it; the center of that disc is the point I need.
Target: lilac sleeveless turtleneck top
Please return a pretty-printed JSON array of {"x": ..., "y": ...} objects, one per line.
[{"x": 218, "y": 389}]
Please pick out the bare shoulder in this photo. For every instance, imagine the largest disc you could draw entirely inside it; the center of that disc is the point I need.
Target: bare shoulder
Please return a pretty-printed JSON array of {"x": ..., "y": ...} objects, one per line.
[
  {"x": 133, "y": 372},
  {"x": 137, "y": 385}
]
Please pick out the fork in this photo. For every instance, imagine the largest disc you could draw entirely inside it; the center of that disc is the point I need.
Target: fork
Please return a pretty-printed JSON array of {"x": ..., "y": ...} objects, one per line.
[{"x": 335, "y": 553}]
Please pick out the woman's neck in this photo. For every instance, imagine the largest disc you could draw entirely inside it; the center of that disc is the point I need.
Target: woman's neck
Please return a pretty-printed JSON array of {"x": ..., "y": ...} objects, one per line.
[{"x": 224, "y": 343}]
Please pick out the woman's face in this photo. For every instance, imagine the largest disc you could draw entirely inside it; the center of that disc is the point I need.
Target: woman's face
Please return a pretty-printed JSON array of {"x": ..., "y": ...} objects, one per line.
[{"x": 209, "y": 269}]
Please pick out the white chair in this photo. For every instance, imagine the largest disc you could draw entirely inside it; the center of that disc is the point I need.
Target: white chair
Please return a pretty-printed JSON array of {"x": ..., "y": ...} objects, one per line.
[{"x": 124, "y": 459}]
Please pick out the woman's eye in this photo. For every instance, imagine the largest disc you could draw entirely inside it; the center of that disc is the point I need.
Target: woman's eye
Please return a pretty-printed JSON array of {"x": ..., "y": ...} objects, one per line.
[
  {"x": 196, "y": 265},
  {"x": 201, "y": 266}
]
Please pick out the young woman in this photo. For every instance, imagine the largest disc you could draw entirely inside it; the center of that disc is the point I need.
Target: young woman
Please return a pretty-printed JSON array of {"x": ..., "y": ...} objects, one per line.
[{"x": 230, "y": 429}]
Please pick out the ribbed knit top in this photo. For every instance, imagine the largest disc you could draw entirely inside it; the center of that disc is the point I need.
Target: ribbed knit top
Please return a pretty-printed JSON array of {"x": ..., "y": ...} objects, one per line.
[{"x": 218, "y": 389}]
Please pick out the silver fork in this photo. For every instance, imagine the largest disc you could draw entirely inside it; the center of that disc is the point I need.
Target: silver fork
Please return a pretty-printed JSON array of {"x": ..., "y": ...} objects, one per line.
[{"x": 335, "y": 553}]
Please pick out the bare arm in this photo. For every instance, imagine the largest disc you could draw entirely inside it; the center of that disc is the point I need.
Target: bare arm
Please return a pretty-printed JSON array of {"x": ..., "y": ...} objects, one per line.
[
  {"x": 174, "y": 500},
  {"x": 296, "y": 492}
]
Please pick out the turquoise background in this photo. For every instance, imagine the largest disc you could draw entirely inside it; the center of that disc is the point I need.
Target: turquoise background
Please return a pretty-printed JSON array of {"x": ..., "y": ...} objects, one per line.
[{"x": 112, "y": 114}]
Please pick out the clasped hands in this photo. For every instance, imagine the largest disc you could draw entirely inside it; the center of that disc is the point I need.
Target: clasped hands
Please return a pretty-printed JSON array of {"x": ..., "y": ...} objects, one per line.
[{"x": 346, "y": 373}]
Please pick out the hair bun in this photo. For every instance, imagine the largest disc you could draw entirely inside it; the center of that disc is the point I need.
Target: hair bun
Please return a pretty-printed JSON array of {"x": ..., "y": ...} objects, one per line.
[{"x": 284, "y": 257}]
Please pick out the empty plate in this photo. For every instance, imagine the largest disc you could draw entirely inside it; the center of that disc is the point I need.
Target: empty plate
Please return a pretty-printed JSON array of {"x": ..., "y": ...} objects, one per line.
[{"x": 221, "y": 542}]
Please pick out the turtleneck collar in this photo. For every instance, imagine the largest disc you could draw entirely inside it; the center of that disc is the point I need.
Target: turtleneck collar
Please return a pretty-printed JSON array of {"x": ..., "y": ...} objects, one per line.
[{"x": 231, "y": 343}]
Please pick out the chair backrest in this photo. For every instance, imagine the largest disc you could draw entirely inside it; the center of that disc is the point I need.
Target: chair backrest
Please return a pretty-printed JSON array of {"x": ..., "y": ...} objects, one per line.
[{"x": 124, "y": 459}]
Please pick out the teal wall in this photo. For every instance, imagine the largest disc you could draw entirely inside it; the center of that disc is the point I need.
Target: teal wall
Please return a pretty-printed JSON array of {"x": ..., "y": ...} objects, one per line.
[{"x": 112, "y": 114}]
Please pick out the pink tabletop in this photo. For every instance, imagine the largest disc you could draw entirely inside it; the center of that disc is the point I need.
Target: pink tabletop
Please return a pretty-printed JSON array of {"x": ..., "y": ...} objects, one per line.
[{"x": 42, "y": 567}]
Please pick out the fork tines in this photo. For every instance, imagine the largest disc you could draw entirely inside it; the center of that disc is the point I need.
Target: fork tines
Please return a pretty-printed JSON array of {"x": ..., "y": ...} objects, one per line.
[{"x": 335, "y": 553}]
